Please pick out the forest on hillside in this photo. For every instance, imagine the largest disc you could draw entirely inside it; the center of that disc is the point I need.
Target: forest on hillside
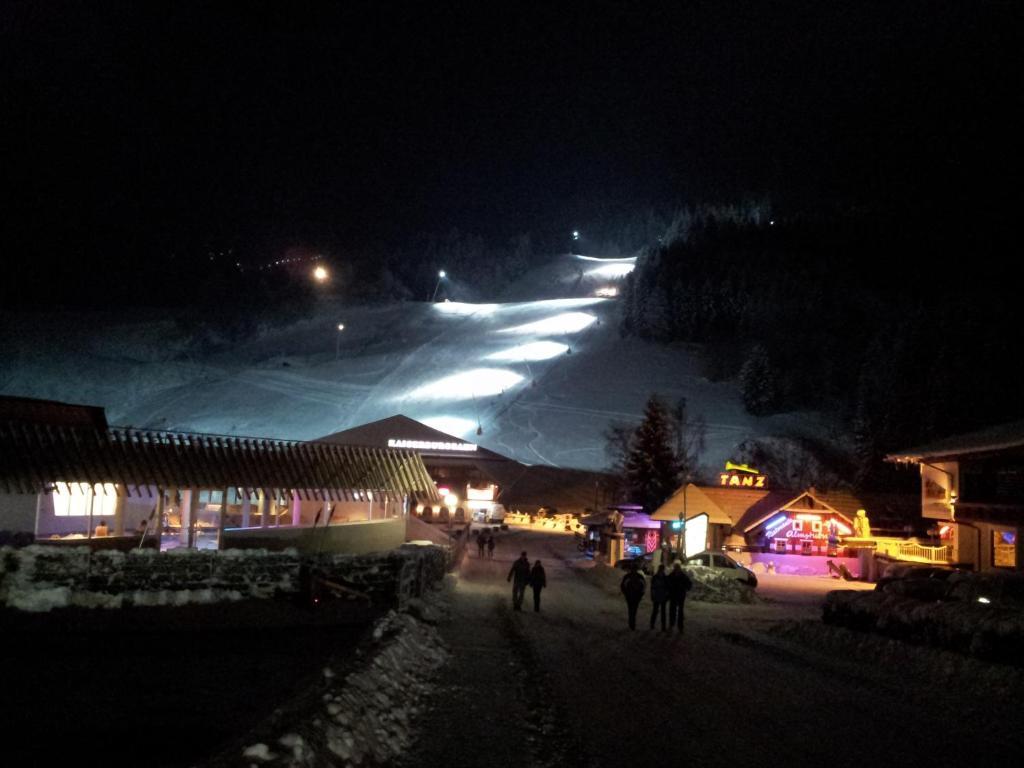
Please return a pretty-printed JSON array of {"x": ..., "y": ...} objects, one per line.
[{"x": 905, "y": 328}]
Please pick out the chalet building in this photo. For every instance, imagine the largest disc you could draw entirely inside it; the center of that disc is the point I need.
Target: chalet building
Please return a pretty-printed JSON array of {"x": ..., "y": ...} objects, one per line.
[
  {"x": 66, "y": 477},
  {"x": 972, "y": 491},
  {"x": 795, "y": 530},
  {"x": 475, "y": 479}
]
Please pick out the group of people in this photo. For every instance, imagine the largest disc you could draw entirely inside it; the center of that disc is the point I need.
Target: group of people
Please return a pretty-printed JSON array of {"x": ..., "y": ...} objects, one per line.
[
  {"x": 522, "y": 576},
  {"x": 667, "y": 589},
  {"x": 485, "y": 543}
]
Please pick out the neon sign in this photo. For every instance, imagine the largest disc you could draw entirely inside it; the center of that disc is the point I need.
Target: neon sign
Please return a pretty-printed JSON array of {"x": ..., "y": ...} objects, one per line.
[
  {"x": 732, "y": 480},
  {"x": 431, "y": 445}
]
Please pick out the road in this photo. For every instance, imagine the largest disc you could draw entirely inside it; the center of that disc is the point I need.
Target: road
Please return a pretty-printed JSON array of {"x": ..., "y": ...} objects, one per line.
[{"x": 745, "y": 685}]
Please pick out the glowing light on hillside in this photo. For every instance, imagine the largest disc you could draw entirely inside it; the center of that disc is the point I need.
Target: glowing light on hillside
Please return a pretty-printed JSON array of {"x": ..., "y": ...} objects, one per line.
[
  {"x": 612, "y": 271},
  {"x": 451, "y": 425},
  {"x": 479, "y": 382},
  {"x": 567, "y": 322},
  {"x": 461, "y": 308},
  {"x": 320, "y": 274},
  {"x": 607, "y": 291},
  {"x": 535, "y": 350},
  {"x": 622, "y": 260}
]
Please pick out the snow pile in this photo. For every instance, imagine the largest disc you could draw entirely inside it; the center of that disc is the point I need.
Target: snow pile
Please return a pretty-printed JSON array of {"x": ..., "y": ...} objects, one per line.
[
  {"x": 946, "y": 670},
  {"x": 712, "y": 586},
  {"x": 709, "y": 585},
  {"x": 992, "y": 630},
  {"x": 366, "y": 717}
]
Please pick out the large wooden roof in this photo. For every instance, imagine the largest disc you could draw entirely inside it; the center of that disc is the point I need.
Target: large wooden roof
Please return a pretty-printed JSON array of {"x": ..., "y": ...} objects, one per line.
[{"x": 34, "y": 456}]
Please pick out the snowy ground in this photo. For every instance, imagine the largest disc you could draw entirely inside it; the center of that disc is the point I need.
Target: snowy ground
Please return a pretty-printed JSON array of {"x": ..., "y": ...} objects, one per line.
[
  {"x": 543, "y": 377},
  {"x": 763, "y": 684}
]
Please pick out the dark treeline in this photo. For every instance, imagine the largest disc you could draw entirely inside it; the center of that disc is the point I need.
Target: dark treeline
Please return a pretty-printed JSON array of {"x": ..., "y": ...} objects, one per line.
[{"x": 907, "y": 328}]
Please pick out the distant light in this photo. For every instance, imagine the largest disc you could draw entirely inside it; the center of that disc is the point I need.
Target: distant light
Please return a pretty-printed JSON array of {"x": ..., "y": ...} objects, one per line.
[
  {"x": 450, "y": 425},
  {"x": 320, "y": 274},
  {"x": 607, "y": 291},
  {"x": 575, "y": 235},
  {"x": 442, "y": 274},
  {"x": 479, "y": 382},
  {"x": 535, "y": 350},
  {"x": 462, "y": 308},
  {"x": 612, "y": 271},
  {"x": 451, "y": 500},
  {"x": 771, "y": 223},
  {"x": 984, "y": 600},
  {"x": 567, "y": 322},
  {"x": 341, "y": 326}
]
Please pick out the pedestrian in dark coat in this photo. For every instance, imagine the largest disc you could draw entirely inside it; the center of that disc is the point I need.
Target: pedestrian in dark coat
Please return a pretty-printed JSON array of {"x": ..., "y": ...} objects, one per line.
[
  {"x": 678, "y": 585},
  {"x": 490, "y": 545},
  {"x": 519, "y": 575},
  {"x": 481, "y": 544},
  {"x": 659, "y": 596},
  {"x": 633, "y": 587},
  {"x": 538, "y": 580}
]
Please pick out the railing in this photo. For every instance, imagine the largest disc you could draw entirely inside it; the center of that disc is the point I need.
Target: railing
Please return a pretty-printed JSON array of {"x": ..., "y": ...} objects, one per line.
[{"x": 913, "y": 551}]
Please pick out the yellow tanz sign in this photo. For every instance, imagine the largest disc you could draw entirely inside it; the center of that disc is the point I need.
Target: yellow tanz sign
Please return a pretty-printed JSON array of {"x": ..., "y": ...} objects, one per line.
[{"x": 735, "y": 480}]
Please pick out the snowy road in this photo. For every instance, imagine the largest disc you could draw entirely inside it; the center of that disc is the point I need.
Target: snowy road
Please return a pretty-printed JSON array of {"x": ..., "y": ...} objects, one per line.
[{"x": 746, "y": 685}]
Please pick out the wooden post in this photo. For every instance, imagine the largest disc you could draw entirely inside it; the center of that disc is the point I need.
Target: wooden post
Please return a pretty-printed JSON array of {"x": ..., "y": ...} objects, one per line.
[
  {"x": 264, "y": 502},
  {"x": 119, "y": 513},
  {"x": 246, "y": 508},
  {"x": 221, "y": 519}
]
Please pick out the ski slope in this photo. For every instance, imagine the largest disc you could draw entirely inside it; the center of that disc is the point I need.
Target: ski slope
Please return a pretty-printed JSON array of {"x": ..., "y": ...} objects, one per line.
[{"x": 541, "y": 379}]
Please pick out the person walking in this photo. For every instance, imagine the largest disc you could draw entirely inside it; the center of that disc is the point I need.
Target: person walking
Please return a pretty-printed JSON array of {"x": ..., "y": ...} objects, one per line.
[
  {"x": 678, "y": 585},
  {"x": 538, "y": 580},
  {"x": 633, "y": 587},
  {"x": 481, "y": 544},
  {"x": 659, "y": 596},
  {"x": 490, "y": 545},
  {"x": 519, "y": 575}
]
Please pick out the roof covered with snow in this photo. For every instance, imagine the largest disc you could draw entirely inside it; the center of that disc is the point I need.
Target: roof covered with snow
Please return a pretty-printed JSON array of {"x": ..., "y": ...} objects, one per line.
[
  {"x": 401, "y": 431},
  {"x": 1001, "y": 437},
  {"x": 35, "y": 456}
]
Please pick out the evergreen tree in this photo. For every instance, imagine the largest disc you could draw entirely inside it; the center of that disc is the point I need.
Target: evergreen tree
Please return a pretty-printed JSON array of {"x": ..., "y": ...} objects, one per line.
[
  {"x": 651, "y": 466},
  {"x": 758, "y": 382}
]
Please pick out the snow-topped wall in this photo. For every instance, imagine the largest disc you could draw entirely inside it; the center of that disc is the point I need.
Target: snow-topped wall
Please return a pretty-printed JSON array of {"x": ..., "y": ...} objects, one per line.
[{"x": 39, "y": 578}]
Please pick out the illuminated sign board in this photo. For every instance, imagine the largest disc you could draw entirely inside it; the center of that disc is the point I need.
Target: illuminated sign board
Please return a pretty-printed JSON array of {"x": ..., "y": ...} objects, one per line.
[
  {"x": 431, "y": 445},
  {"x": 480, "y": 494},
  {"x": 696, "y": 534},
  {"x": 741, "y": 476}
]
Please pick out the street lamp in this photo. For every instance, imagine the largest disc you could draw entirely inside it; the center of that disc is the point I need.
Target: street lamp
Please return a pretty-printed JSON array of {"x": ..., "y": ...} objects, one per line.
[
  {"x": 337, "y": 344},
  {"x": 440, "y": 276},
  {"x": 320, "y": 274}
]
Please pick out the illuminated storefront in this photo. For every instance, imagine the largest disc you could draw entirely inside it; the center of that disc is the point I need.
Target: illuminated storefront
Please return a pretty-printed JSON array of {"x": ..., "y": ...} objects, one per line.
[{"x": 972, "y": 494}]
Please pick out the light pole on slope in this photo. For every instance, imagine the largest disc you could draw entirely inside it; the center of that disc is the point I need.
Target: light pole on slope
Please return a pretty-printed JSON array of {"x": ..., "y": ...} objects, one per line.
[{"x": 440, "y": 276}]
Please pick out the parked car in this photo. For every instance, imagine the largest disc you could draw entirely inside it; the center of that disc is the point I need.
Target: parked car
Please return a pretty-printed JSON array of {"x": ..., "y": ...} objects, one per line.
[
  {"x": 921, "y": 582},
  {"x": 643, "y": 563},
  {"x": 724, "y": 564}
]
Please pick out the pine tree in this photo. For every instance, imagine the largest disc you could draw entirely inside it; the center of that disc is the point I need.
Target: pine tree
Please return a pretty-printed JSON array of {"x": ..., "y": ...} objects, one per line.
[
  {"x": 758, "y": 382},
  {"x": 651, "y": 466}
]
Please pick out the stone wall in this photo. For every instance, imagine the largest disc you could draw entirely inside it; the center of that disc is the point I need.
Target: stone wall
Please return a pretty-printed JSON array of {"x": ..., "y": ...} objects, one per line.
[{"x": 41, "y": 577}]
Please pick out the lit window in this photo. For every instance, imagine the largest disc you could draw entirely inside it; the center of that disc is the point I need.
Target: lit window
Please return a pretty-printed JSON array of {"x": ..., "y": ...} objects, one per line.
[{"x": 76, "y": 501}]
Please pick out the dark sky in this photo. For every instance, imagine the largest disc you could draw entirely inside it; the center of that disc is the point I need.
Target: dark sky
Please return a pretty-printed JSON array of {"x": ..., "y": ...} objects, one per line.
[{"x": 142, "y": 128}]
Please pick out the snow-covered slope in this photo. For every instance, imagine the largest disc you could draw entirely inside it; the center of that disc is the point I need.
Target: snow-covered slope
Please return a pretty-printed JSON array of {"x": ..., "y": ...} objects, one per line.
[{"x": 542, "y": 378}]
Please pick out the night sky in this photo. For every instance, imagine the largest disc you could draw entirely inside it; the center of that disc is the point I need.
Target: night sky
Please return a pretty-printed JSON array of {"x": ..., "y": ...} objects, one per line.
[{"x": 136, "y": 130}]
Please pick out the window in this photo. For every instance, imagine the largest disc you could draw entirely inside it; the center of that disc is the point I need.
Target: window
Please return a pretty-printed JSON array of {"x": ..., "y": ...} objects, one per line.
[
  {"x": 798, "y": 525},
  {"x": 723, "y": 562},
  {"x": 780, "y": 546},
  {"x": 76, "y": 499},
  {"x": 1004, "y": 548}
]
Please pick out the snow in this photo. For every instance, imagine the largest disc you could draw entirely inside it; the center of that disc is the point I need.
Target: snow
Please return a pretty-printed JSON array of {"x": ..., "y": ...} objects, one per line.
[{"x": 423, "y": 360}]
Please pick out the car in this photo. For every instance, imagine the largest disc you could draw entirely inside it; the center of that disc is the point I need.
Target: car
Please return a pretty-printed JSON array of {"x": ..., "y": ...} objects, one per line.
[
  {"x": 643, "y": 563},
  {"x": 722, "y": 563},
  {"x": 920, "y": 582}
]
